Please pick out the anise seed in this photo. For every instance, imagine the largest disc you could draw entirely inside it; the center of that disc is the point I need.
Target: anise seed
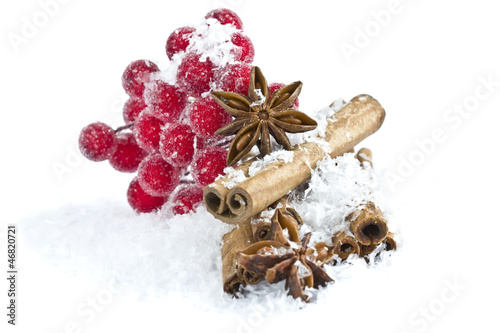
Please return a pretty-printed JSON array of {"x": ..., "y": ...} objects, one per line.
[
  {"x": 243, "y": 141},
  {"x": 234, "y": 103},
  {"x": 322, "y": 254},
  {"x": 291, "y": 120},
  {"x": 281, "y": 98}
]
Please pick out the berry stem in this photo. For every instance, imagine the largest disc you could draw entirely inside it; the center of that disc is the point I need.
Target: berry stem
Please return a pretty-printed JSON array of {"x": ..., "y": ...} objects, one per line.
[
  {"x": 124, "y": 127},
  {"x": 223, "y": 142},
  {"x": 186, "y": 182}
]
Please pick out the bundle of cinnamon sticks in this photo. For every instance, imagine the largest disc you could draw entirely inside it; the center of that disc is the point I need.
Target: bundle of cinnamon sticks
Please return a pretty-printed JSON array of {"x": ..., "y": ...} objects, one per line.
[{"x": 242, "y": 203}]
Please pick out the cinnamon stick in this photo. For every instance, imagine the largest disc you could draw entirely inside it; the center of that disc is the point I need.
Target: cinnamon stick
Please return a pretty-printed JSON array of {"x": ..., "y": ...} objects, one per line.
[
  {"x": 365, "y": 155},
  {"x": 345, "y": 245},
  {"x": 236, "y": 240},
  {"x": 358, "y": 119},
  {"x": 261, "y": 230},
  {"x": 389, "y": 245},
  {"x": 368, "y": 225}
]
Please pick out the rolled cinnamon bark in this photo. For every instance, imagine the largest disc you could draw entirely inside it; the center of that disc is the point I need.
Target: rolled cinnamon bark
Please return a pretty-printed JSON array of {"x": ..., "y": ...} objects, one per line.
[
  {"x": 358, "y": 119},
  {"x": 261, "y": 230},
  {"x": 236, "y": 240},
  {"x": 345, "y": 245},
  {"x": 365, "y": 155},
  {"x": 389, "y": 242},
  {"x": 368, "y": 225}
]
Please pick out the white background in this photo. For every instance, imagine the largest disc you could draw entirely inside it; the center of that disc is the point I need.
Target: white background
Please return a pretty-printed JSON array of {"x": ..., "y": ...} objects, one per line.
[{"x": 427, "y": 58}]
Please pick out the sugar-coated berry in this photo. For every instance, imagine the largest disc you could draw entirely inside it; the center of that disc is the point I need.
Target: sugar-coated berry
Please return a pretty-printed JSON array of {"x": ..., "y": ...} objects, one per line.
[
  {"x": 194, "y": 74},
  {"x": 234, "y": 78},
  {"x": 208, "y": 163},
  {"x": 132, "y": 109},
  {"x": 275, "y": 86},
  {"x": 128, "y": 155},
  {"x": 244, "y": 51},
  {"x": 226, "y": 16},
  {"x": 186, "y": 198},
  {"x": 206, "y": 117},
  {"x": 142, "y": 202},
  {"x": 97, "y": 141},
  {"x": 177, "y": 144},
  {"x": 147, "y": 130},
  {"x": 157, "y": 177},
  {"x": 166, "y": 102},
  {"x": 178, "y": 41},
  {"x": 136, "y": 75}
]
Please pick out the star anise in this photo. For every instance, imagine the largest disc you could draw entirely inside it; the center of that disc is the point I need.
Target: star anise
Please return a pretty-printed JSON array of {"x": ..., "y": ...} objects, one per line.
[
  {"x": 290, "y": 259},
  {"x": 259, "y": 115}
]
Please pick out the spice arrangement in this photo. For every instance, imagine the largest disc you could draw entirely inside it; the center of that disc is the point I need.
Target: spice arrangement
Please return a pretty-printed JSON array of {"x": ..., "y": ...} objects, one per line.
[{"x": 210, "y": 130}]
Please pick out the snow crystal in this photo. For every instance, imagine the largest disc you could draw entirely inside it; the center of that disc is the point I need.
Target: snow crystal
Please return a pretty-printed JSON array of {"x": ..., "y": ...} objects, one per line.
[
  {"x": 275, "y": 156},
  {"x": 234, "y": 178},
  {"x": 261, "y": 96},
  {"x": 336, "y": 188},
  {"x": 211, "y": 40},
  {"x": 302, "y": 270}
]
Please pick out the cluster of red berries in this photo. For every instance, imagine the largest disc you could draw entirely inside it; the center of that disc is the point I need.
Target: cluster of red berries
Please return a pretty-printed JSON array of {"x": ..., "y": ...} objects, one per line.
[{"x": 170, "y": 120}]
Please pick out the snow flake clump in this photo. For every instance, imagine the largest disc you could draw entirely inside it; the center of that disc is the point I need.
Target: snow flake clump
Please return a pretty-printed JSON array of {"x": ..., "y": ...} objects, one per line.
[
  {"x": 279, "y": 155},
  {"x": 337, "y": 187}
]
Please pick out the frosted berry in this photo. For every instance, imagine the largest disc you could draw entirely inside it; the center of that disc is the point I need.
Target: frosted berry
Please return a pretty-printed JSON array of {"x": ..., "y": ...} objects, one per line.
[
  {"x": 226, "y": 16},
  {"x": 132, "y": 109},
  {"x": 208, "y": 163},
  {"x": 142, "y": 202},
  {"x": 186, "y": 198},
  {"x": 177, "y": 144},
  {"x": 156, "y": 176},
  {"x": 275, "y": 86},
  {"x": 128, "y": 154},
  {"x": 206, "y": 117},
  {"x": 147, "y": 130},
  {"x": 136, "y": 75},
  {"x": 244, "y": 51},
  {"x": 165, "y": 101},
  {"x": 178, "y": 41},
  {"x": 194, "y": 74},
  {"x": 234, "y": 78},
  {"x": 97, "y": 141}
]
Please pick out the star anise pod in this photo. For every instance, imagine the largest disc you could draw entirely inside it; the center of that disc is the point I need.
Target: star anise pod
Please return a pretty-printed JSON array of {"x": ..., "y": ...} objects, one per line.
[
  {"x": 259, "y": 115},
  {"x": 291, "y": 259}
]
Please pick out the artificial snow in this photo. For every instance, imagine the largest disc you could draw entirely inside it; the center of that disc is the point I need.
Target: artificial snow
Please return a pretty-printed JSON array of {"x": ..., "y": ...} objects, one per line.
[
  {"x": 158, "y": 254},
  {"x": 212, "y": 40},
  {"x": 234, "y": 178},
  {"x": 285, "y": 156},
  {"x": 261, "y": 97}
]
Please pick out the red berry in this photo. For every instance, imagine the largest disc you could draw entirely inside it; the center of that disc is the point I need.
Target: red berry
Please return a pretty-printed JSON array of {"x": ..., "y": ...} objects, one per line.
[
  {"x": 244, "y": 51},
  {"x": 132, "y": 108},
  {"x": 142, "y": 202},
  {"x": 186, "y": 198},
  {"x": 147, "y": 130},
  {"x": 128, "y": 154},
  {"x": 136, "y": 75},
  {"x": 97, "y": 141},
  {"x": 157, "y": 177},
  {"x": 208, "y": 164},
  {"x": 275, "y": 86},
  {"x": 178, "y": 41},
  {"x": 194, "y": 75},
  {"x": 234, "y": 77},
  {"x": 226, "y": 16},
  {"x": 166, "y": 102},
  {"x": 177, "y": 144},
  {"x": 206, "y": 117}
]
